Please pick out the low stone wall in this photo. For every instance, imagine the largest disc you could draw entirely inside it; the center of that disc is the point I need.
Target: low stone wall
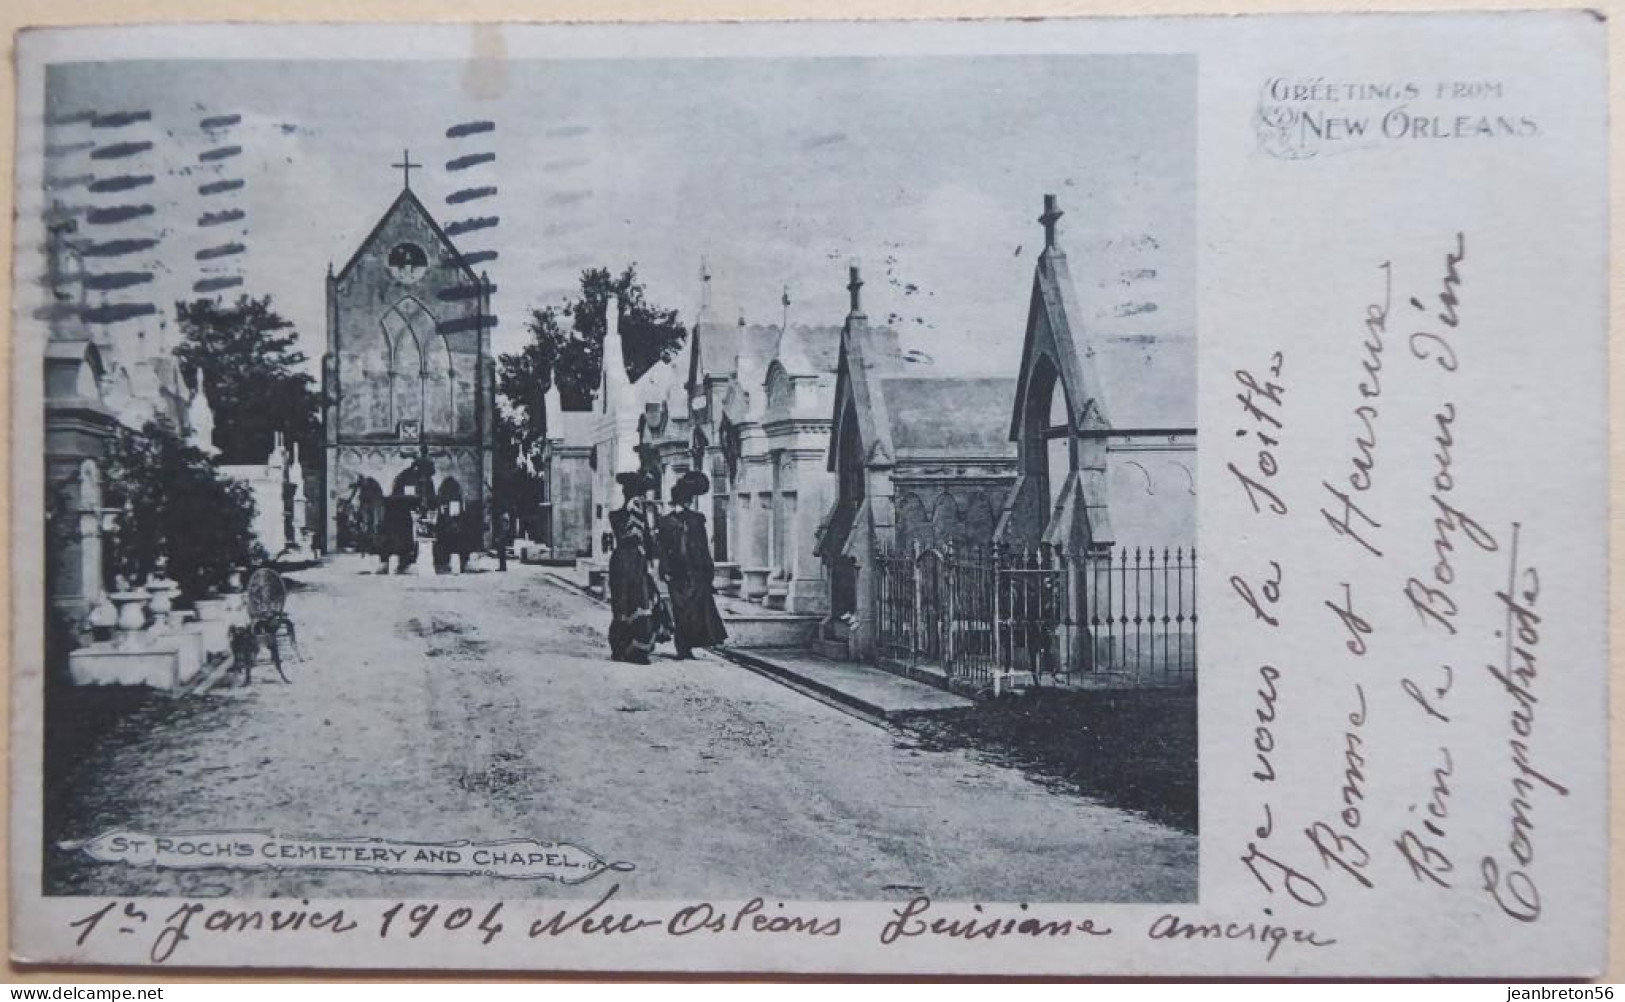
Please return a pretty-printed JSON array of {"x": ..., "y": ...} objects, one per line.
[{"x": 167, "y": 657}]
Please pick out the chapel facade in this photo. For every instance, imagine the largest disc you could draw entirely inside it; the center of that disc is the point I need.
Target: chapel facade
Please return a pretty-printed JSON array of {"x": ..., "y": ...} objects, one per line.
[{"x": 408, "y": 374}]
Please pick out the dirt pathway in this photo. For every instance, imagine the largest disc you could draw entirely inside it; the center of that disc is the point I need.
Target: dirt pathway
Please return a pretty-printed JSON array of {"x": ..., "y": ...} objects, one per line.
[{"x": 483, "y": 707}]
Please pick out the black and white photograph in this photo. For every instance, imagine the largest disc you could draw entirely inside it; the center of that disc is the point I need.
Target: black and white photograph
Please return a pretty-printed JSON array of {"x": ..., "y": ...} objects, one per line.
[{"x": 774, "y": 477}]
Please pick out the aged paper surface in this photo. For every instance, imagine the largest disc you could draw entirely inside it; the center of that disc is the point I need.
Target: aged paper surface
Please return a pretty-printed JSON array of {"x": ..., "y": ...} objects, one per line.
[{"x": 1340, "y": 313}]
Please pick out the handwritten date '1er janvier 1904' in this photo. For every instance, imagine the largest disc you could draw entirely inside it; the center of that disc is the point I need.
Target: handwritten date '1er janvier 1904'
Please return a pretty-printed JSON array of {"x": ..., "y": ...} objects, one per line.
[{"x": 917, "y": 919}]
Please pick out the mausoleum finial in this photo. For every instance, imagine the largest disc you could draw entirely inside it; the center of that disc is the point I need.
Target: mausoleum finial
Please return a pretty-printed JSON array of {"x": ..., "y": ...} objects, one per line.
[
  {"x": 854, "y": 286},
  {"x": 1052, "y": 215}
]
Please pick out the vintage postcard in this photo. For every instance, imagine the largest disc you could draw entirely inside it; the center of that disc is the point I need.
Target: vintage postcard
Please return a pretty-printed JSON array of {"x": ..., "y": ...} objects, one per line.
[{"x": 1048, "y": 497}]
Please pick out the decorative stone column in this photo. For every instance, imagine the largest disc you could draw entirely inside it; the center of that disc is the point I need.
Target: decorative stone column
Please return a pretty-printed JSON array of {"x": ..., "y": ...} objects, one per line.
[
  {"x": 423, "y": 566},
  {"x": 78, "y": 425},
  {"x": 881, "y": 532},
  {"x": 90, "y": 520}
]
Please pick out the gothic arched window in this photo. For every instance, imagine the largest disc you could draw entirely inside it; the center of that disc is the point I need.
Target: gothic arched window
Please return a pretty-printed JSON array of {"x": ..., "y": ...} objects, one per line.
[
  {"x": 1047, "y": 427},
  {"x": 422, "y": 389},
  {"x": 371, "y": 408},
  {"x": 439, "y": 388},
  {"x": 406, "y": 375}
]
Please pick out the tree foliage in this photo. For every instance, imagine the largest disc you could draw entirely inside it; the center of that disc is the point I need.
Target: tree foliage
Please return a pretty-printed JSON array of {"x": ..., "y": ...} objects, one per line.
[
  {"x": 177, "y": 506},
  {"x": 247, "y": 354},
  {"x": 566, "y": 348},
  {"x": 517, "y": 484}
]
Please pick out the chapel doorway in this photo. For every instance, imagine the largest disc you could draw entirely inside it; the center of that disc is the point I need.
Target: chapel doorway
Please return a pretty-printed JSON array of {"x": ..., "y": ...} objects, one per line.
[
  {"x": 415, "y": 484},
  {"x": 451, "y": 496}
]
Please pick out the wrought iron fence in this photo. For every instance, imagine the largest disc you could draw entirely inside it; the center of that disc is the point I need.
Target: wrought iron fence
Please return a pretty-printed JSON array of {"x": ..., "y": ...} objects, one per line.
[{"x": 1125, "y": 615}]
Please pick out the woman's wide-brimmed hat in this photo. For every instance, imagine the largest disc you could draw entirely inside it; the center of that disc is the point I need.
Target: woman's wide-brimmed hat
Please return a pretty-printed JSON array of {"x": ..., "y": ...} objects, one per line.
[
  {"x": 690, "y": 485},
  {"x": 636, "y": 482}
]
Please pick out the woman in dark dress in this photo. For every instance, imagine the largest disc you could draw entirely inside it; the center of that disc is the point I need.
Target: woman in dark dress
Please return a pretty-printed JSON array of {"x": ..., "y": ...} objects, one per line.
[
  {"x": 685, "y": 566},
  {"x": 634, "y": 602},
  {"x": 396, "y": 534}
]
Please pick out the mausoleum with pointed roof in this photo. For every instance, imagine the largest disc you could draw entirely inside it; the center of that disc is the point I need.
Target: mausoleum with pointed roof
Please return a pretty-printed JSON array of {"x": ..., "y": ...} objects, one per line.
[{"x": 1104, "y": 421}]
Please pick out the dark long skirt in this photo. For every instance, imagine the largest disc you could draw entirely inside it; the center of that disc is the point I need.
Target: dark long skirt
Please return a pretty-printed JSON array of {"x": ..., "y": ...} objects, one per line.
[
  {"x": 685, "y": 560},
  {"x": 632, "y": 601},
  {"x": 696, "y": 620}
]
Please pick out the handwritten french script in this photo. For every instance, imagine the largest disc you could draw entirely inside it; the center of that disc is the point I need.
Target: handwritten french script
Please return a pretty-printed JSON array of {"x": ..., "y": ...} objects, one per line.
[
  {"x": 1471, "y": 597},
  {"x": 170, "y": 933},
  {"x": 1514, "y": 885}
]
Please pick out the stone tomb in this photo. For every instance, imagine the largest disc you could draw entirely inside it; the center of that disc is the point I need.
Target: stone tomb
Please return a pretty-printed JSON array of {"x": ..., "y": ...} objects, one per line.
[
  {"x": 170, "y": 653},
  {"x": 919, "y": 461}
]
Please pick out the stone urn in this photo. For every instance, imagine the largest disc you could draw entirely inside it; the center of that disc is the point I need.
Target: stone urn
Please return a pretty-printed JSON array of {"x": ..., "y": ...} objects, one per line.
[
  {"x": 132, "y": 615},
  {"x": 103, "y": 618},
  {"x": 724, "y": 582},
  {"x": 162, "y": 603},
  {"x": 756, "y": 583}
]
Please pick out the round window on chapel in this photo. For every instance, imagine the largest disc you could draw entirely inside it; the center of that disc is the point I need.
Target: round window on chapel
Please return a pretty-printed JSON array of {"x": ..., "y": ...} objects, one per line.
[{"x": 408, "y": 262}]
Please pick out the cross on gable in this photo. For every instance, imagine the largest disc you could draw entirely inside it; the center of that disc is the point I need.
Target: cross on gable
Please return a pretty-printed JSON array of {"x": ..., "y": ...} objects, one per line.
[
  {"x": 406, "y": 165},
  {"x": 1052, "y": 215}
]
